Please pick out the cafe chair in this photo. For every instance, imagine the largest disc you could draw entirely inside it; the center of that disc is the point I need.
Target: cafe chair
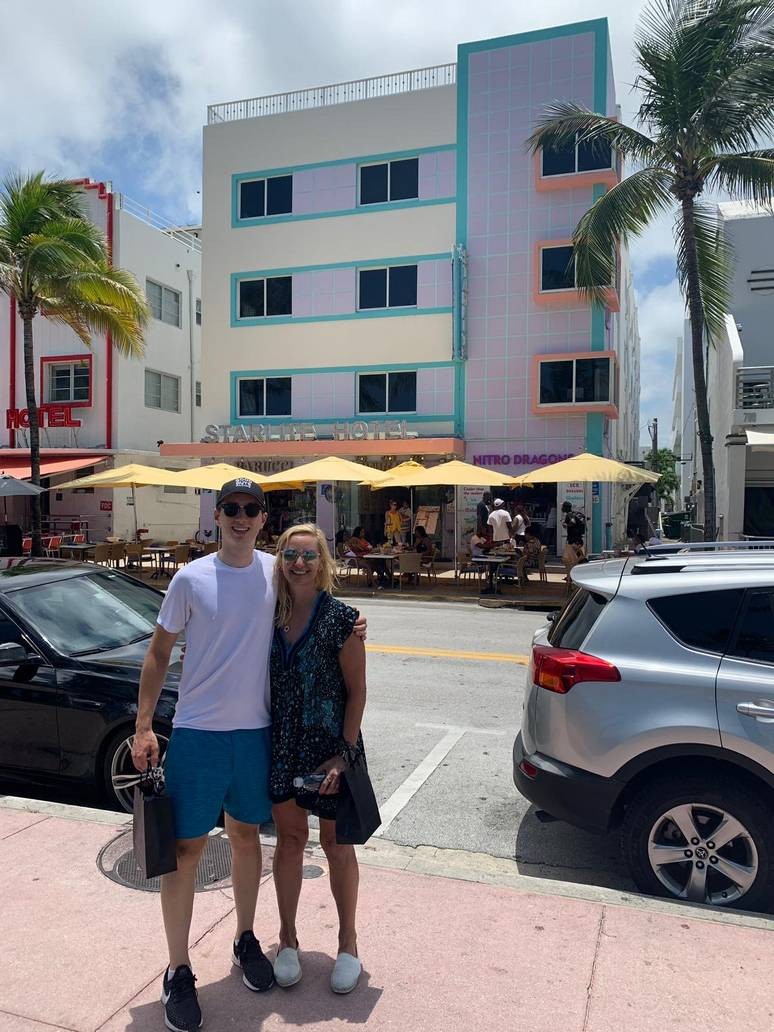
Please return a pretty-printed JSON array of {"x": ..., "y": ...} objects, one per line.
[
  {"x": 53, "y": 547},
  {"x": 102, "y": 553},
  {"x": 179, "y": 557},
  {"x": 118, "y": 554},
  {"x": 136, "y": 555},
  {"x": 26, "y": 545},
  {"x": 409, "y": 565},
  {"x": 210, "y": 547},
  {"x": 466, "y": 567}
]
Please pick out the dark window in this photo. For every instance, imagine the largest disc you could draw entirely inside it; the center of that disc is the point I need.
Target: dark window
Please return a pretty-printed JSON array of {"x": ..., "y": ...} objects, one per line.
[
  {"x": 592, "y": 379},
  {"x": 556, "y": 383},
  {"x": 702, "y": 619},
  {"x": 387, "y": 392},
  {"x": 594, "y": 155},
  {"x": 755, "y": 639},
  {"x": 278, "y": 392},
  {"x": 251, "y": 397},
  {"x": 372, "y": 392},
  {"x": 585, "y": 157},
  {"x": 373, "y": 183},
  {"x": 557, "y": 268},
  {"x": 252, "y": 199},
  {"x": 373, "y": 288},
  {"x": 251, "y": 295},
  {"x": 389, "y": 181},
  {"x": 198, "y": 311},
  {"x": 402, "y": 392},
  {"x": 404, "y": 179},
  {"x": 279, "y": 195},
  {"x": 279, "y": 295},
  {"x": 403, "y": 286},
  {"x": 198, "y": 393},
  {"x": 10, "y": 633},
  {"x": 558, "y": 161},
  {"x": 575, "y": 623},
  {"x": 266, "y": 197}
]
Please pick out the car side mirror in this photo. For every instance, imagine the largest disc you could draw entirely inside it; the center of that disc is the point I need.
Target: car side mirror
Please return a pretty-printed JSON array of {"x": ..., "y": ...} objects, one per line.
[
  {"x": 13, "y": 654},
  {"x": 553, "y": 615}
]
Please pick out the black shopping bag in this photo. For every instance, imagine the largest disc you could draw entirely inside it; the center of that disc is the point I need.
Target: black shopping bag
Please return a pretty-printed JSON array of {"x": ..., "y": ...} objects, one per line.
[
  {"x": 357, "y": 814},
  {"x": 153, "y": 831}
]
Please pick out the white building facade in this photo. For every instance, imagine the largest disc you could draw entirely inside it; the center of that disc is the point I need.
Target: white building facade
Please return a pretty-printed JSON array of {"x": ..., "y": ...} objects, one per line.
[
  {"x": 388, "y": 273},
  {"x": 99, "y": 409},
  {"x": 740, "y": 383}
]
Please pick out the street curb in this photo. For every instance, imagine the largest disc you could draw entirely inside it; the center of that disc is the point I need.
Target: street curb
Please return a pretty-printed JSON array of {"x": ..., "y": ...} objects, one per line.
[{"x": 460, "y": 865}]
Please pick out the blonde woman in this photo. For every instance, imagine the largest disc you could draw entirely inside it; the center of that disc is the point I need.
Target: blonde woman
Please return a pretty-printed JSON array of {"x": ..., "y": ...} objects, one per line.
[{"x": 318, "y": 694}]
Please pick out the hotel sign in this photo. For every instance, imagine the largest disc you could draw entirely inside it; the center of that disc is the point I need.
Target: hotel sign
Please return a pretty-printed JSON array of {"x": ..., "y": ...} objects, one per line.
[
  {"x": 260, "y": 433},
  {"x": 48, "y": 415}
]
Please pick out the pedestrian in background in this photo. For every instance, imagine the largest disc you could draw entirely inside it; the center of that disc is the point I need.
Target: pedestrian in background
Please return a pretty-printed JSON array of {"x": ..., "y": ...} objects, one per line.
[
  {"x": 318, "y": 694},
  {"x": 500, "y": 522},
  {"x": 483, "y": 509},
  {"x": 392, "y": 525}
]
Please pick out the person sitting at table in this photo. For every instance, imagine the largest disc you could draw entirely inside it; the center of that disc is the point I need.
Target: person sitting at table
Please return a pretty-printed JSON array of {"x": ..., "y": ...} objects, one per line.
[
  {"x": 360, "y": 546},
  {"x": 479, "y": 544},
  {"x": 424, "y": 545}
]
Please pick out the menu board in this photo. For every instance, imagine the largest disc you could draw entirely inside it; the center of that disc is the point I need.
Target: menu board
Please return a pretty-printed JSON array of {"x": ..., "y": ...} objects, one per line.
[{"x": 427, "y": 516}]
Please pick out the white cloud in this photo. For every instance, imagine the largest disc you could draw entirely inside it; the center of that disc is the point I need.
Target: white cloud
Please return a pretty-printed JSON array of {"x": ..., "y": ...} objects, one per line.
[{"x": 661, "y": 316}]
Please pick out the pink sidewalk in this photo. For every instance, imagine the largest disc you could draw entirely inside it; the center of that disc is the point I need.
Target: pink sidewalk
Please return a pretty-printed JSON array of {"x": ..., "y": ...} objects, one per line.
[{"x": 81, "y": 953}]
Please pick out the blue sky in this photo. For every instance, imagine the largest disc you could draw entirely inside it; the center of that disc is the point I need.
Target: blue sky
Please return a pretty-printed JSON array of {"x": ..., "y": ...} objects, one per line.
[{"x": 120, "y": 92}]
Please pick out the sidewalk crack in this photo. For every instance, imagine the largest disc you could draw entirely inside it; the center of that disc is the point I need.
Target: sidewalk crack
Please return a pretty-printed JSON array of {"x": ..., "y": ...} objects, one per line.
[
  {"x": 592, "y": 975},
  {"x": 25, "y": 828},
  {"x": 39, "y": 1021}
]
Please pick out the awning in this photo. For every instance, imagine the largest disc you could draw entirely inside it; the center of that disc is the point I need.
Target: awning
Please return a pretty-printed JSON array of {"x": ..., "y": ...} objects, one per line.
[
  {"x": 21, "y": 469},
  {"x": 762, "y": 440}
]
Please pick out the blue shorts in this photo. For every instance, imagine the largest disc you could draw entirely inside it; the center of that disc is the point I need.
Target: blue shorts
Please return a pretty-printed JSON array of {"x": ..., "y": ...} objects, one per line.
[{"x": 210, "y": 771}]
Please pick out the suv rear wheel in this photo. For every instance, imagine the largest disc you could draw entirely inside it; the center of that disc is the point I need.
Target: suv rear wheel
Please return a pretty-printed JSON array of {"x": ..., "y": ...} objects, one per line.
[{"x": 702, "y": 841}]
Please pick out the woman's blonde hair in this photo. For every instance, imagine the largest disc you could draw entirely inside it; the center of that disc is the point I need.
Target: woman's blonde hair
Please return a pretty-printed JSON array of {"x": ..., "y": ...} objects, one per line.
[{"x": 326, "y": 571}]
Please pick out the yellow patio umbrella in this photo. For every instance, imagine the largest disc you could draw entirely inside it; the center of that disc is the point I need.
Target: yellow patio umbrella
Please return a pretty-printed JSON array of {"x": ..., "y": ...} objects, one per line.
[
  {"x": 214, "y": 476},
  {"x": 588, "y": 468},
  {"x": 132, "y": 475},
  {"x": 450, "y": 474},
  {"x": 332, "y": 468}
]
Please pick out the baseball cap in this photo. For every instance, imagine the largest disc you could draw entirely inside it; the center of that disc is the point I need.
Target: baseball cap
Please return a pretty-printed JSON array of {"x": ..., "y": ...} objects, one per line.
[
  {"x": 241, "y": 485},
  {"x": 499, "y": 501}
]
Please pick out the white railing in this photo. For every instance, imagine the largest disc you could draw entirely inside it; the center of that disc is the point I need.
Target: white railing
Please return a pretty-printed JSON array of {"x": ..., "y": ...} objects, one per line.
[
  {"x": 157, "y": 221},
  {"x": 755, "y": 387},
  {"x": 338, "y": 93}
]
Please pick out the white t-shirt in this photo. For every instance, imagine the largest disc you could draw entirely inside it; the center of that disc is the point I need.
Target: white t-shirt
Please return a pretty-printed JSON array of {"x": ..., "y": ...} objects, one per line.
[
  {"x": 227, "y": 613},
  {"x": 499, "y": 520},
  {"x": 518, "y": 525}
]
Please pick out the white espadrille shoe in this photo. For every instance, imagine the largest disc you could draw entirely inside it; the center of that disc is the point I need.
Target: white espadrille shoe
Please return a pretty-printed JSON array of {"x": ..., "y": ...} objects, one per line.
[
  {"x": 287, "y": 969},
  {"x": 346, "y": 973}
]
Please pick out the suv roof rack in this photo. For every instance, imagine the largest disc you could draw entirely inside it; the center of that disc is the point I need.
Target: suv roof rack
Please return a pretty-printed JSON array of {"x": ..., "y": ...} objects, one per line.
[{"x": 691, "y": 547}]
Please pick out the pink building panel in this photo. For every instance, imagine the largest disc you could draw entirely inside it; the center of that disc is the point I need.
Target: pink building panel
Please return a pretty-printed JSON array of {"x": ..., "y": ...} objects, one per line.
[{"x": 318, "y": 190}]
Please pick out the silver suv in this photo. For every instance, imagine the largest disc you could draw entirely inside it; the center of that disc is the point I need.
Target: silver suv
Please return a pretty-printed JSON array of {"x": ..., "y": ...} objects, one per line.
[{"x": 650, "y": 707}]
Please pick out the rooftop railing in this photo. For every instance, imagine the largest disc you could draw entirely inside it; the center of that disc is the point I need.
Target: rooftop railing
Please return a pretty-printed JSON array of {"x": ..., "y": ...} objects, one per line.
[
  {"x": 755, "y": 387},
  {"x": 338, "y": 93},
  {"x": 157, "y": 221}
]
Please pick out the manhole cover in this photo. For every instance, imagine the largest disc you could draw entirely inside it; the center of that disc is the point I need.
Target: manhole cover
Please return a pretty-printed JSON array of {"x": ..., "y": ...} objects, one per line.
[
  {"x": 312, "y": 871},
  {"x": 116, "y": 861}
]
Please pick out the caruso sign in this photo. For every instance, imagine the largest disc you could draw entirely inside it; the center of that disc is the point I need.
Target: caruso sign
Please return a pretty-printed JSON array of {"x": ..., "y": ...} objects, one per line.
[
  {"x": 387, "y": 429},
  {"x": 523, "y": 459}
]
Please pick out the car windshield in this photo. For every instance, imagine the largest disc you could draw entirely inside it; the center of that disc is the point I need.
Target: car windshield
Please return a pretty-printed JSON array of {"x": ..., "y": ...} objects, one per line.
[{"x": 92, "y": 613}]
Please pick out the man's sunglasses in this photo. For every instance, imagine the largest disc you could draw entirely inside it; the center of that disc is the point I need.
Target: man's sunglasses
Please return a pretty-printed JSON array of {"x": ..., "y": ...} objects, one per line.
[
  {"x": 289, "y": 555},
  {"x": 250, "y": 510}
]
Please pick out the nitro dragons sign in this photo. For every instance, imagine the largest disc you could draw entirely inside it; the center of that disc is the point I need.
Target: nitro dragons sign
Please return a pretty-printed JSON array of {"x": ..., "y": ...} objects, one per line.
[{"x": 264, "y": 433}]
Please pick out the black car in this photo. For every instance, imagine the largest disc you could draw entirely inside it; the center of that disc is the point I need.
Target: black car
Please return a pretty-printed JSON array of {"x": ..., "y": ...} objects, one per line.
[{"x": 73, "y": 637}]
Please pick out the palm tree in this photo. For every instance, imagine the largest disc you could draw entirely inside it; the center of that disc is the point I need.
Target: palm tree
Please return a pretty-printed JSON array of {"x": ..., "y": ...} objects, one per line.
[
  {"x": 706, "y": 86},
  {"x": 56, "y": 263}
]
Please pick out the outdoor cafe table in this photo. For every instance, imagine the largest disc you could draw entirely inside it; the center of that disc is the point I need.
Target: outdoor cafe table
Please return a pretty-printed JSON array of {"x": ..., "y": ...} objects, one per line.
[
  {"x": 493, "y": 564},
  {"x": 77, "y": 551},
  {"x": 387, "y": 557},
  {"x": 160, "y": 554}
]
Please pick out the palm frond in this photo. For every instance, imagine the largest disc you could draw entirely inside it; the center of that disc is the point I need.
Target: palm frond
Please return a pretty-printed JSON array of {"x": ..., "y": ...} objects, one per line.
[
  {"x": 617, "y": 216},
  {"x": 747, "y": 177},
  {"x": 714, "y": 261},
  {"x": 28, "y": 202},
  {"x": 562, "y": 121},
  {"x": 97, "y": 317}
]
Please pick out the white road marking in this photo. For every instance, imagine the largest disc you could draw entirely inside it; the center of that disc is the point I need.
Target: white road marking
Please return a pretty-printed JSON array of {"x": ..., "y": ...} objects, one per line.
[
  {"x": 405, "y": 792},
  {"x": 456, "y": 727}
]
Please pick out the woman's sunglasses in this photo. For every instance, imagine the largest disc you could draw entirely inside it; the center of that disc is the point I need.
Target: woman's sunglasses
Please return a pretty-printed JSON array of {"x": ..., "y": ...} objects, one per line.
[
  {"x": 289, "y": 555},
  {"x": 250, "y": 510}
]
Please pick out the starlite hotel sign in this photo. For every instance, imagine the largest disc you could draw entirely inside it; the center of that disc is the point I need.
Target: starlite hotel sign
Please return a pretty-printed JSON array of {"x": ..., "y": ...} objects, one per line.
[{"x": 263, "y": 433}]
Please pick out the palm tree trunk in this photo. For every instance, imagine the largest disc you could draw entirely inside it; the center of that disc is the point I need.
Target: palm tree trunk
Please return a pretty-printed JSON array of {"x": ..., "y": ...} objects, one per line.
[
  {"x": 696, "y": 313},
  {"x": 32, "y": 409}
]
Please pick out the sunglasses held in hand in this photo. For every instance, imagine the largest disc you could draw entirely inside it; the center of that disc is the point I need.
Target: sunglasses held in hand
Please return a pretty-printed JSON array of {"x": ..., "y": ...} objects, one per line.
[
  {"x": 289, "y": 555},
  {"x": 251, "y": 510}
]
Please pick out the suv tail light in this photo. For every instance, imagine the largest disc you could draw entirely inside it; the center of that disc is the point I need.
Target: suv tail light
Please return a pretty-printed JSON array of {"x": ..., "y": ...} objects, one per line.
[{"x": 557, "y": 670}]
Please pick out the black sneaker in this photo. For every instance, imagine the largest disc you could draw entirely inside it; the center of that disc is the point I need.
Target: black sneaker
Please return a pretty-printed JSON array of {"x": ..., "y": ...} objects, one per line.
[
  {"x": 257, "y": 971},
  {"x": 181, "y": 1007}
]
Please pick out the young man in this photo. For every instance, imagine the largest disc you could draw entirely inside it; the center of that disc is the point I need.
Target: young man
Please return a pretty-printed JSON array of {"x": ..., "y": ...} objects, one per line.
[
  {"x": 218, "y": 755},
  {"x": 500, "y": 522},
  {"x": 483, "y": 509}
]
